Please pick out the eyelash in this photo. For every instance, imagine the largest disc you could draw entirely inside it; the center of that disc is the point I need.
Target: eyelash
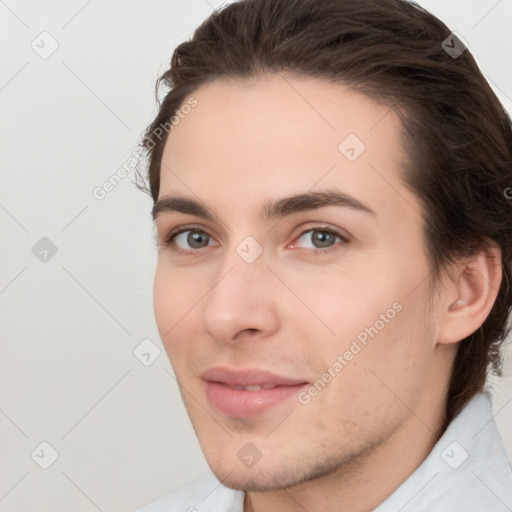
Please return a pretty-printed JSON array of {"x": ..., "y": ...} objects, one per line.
[{"x": 168, "y": 242}]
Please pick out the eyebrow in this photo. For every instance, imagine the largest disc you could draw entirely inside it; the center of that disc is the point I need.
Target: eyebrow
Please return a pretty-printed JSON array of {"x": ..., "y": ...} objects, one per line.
[{"x": 274, "y": 209}]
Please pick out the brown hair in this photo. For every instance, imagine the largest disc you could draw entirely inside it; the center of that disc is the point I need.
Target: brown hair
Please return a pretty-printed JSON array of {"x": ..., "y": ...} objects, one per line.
[{"x": 457, "y": 133}]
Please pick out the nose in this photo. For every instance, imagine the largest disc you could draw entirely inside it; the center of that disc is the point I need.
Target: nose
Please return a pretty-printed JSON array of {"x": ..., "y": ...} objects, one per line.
[{"x": 242, "y": 304}]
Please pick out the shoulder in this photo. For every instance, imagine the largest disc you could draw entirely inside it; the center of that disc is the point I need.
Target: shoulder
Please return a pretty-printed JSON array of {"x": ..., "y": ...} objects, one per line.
[{"x": 204, "y": 494}]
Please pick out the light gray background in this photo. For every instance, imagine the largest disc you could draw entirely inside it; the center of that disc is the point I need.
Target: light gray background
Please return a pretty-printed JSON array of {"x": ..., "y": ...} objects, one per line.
[{"x": 69, "y": 326}]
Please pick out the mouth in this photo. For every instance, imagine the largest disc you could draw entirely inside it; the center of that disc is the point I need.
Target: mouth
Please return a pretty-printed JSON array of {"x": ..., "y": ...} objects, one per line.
[
  {"x": 253, "y": 388},
  {"x": 248, "y": 393}
]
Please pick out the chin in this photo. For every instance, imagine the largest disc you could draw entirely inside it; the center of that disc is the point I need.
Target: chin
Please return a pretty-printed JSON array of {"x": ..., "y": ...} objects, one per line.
[
  {"x": 254, "y": 481},
  {"x": 262, "y": 477}
]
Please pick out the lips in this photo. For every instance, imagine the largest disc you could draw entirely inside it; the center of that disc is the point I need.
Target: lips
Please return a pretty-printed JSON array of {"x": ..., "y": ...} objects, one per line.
[
  {"x": 248, "y": 377},
  {"x": 246, "y": 393}
]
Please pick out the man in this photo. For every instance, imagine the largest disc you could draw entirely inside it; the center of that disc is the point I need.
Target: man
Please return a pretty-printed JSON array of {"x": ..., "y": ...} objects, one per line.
[{"x": 334, "y": 259}]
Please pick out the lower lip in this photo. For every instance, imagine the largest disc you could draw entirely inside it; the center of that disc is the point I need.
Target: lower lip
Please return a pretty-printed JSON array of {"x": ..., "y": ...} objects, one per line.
[{"x": 244, "y": 404}]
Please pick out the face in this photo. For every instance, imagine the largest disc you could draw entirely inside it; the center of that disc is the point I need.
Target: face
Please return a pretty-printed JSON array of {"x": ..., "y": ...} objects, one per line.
[{"x": 297, "y": 328}]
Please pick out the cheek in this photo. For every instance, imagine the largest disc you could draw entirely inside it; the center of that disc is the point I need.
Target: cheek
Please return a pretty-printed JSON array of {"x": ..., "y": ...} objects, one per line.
[
  {"x": 395, "y": 357},
  {"x": 164, "y": 300},
  {"x": 176, "y": 291},
  {"x": 342, "y": 304},
  {"x": 174, "y": 298},
  {"x": 373, "y": 379},
  {"x": 369, "y": 312}
]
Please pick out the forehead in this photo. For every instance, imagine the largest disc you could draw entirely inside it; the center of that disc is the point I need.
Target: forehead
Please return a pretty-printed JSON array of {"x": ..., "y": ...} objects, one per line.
[{"x": 282, "y": 132}]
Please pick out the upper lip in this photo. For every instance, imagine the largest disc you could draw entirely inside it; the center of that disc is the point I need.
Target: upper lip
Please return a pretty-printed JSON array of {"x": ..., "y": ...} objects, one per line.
[{"x": 248, "y": 377}]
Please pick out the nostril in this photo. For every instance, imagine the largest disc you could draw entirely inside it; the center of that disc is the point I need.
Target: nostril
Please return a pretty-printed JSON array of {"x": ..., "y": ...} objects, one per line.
[{"x": 250, "y": 332}]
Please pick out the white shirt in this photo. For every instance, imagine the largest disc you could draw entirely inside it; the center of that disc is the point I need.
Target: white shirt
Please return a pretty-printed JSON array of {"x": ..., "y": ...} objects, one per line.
[{"x": 467, "y": 470}]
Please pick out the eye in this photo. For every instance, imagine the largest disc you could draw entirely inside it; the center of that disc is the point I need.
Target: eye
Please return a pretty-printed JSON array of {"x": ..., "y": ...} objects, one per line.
[
  {"x": 188, "y": 239},
  {"x": 321, "y": 240}
]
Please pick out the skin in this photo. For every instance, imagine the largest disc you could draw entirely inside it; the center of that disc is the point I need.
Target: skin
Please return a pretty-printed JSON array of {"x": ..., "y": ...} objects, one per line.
[{"x": 293, "y": 312}]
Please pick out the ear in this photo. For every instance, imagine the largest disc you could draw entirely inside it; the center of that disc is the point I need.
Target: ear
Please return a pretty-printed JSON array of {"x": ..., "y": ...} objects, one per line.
[{"x": 469, "y": 294}]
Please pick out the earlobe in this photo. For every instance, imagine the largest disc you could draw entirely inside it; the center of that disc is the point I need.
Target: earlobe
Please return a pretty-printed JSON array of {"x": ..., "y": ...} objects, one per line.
[{"x": 470, "y": 295}]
